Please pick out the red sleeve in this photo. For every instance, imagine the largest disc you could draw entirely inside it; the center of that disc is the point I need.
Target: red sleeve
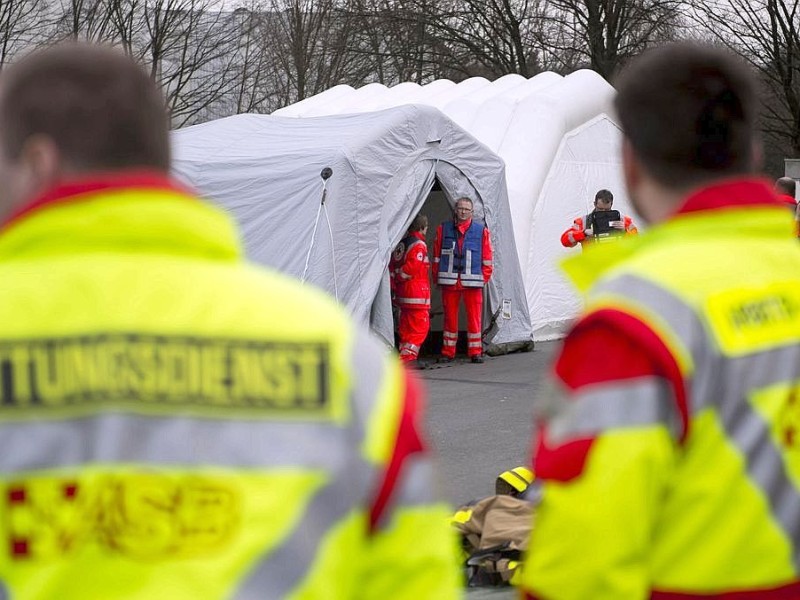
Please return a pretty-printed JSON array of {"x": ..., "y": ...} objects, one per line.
[
  {"x": 577, "y": 234},
  {"x": 604, "y": 347},
  {"x": 407, "y": 443},
  {"x": 487, "y": 253},
  {"x": 415, "y": 265}
]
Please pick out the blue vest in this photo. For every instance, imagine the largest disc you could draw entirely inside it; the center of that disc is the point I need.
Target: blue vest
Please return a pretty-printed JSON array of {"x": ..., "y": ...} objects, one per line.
[{"x": 467, "y": 262}]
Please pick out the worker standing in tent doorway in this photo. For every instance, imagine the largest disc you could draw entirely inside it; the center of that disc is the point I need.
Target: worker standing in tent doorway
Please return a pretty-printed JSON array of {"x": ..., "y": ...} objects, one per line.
[
  {"x": 463, "y": 261},
  {"x": 412, "y": 287},
  {"x": 602, "y": 224}
]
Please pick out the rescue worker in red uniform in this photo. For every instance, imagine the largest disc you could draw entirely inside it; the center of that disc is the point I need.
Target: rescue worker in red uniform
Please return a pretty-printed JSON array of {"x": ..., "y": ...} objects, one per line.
[
  {"x": 582, "y": 231},
  {"x": 171, "y": 428},
  {"x": 668, "y": 450},
  {"x": 413, "y": 289},
  {"x": 463, "y": 264}
]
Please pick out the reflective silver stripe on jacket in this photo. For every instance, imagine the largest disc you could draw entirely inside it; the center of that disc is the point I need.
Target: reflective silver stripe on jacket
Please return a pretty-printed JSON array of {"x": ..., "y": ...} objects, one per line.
[
  {"x": 414, "y": 489},
  {"x": 351, "y": 483},
  {"x": 725, "y": 385},
  {"x": 617, "y": 405}
]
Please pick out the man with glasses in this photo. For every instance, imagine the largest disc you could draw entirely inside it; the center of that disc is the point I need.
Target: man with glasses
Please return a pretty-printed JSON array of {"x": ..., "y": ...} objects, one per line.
[{"x": 463, "y": 263}]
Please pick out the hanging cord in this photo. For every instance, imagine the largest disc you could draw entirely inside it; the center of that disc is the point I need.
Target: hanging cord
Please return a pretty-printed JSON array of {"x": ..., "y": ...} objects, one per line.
[{"x": 325, "y": 174}]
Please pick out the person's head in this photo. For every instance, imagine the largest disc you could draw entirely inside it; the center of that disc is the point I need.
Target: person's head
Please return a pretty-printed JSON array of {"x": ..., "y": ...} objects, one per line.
[
  {"x": 463, "y": 210},
  {"x": 513, "y": 482},
  {"x": 688, "y": 113},
  {"x": 603, "y": 200},
  {"x": 785, "y": 185},
  {"x": 419, "y": 224},
  {"x": 75, "y": 109}
]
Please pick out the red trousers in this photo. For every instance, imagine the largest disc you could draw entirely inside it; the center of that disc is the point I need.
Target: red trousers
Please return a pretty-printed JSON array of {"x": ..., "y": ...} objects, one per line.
[
  {"x": 473, "y": 302},
  {"x": 413, "y": 329}
]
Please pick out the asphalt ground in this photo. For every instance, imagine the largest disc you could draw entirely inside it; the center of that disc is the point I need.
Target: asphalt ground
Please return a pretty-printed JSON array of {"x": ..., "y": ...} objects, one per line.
[{"x": 479, "y": 422}]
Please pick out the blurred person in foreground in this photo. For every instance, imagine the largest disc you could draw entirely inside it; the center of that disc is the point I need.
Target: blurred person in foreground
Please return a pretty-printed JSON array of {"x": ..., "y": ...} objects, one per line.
[
  {"x": 671, "y": 467},
  {"x": 168, "y": 428}
]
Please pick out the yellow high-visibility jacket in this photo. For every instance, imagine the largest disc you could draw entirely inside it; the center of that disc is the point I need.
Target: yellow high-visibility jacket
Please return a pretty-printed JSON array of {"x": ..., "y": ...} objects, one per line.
[
  {"x": 178, "y": 424},
  {"x": 671, "y": 462}
]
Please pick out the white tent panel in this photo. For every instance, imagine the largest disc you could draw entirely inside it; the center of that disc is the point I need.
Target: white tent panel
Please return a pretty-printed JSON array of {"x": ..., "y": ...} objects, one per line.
[
  {"x": 464, "y": 108},
  {"x": 534, "y": 134},
  {"x": 298, "y": 109},
  {"x": 402, "y": 93},
  {"x": 433, "y": 89},
  {"x": 534, "y": 84},
  {"x": 463, "y": 88},
  {"x": 345, "y": 101},
  {"x": 588, "y": 159}
]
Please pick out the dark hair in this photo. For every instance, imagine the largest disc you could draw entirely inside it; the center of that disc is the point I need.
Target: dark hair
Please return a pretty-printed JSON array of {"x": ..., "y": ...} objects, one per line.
[
  {"x": 100, "y": 109},
  {"x": 419, "y": 223},
  {"x": 786, "y": 185},
  {"x": 604, "y": 196},
  {"x": 689, "y": 112}
]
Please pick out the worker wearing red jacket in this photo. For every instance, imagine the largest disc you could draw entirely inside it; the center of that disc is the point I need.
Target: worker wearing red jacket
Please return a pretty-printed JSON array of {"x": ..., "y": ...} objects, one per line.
[
  {"x": 413, "y": 289},
  {"x": 586, "y": 230},
  {"x": 463, "y": 262}
]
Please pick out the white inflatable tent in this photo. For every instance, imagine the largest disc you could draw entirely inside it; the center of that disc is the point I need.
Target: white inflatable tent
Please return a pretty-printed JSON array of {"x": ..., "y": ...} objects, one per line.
[
  {"x": 560, "y": 145},
  {"x": 266, "y": 171}
]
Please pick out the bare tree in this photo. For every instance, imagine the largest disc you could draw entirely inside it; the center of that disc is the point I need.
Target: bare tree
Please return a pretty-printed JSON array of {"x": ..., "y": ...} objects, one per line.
[
  {"x": 603, "y": 34},
  {"x": 84, "y": 19},
  {"x": 21, "y": 25},
  {"x": 475, "y": 37}
]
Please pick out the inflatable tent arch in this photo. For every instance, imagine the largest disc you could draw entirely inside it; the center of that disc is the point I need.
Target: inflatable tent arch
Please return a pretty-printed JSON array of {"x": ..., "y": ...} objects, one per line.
[{"x": 265, "y": 171}]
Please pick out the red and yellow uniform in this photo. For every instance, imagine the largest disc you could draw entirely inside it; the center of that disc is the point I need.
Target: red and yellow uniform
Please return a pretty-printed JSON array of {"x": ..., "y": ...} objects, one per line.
[
  {"x": 465, "y": 281},
  {"x": 413, "y": 294},
  {"x": 179, "y": 424},
  {"x": 671, "y": 464},
  {"x": 576, "y": 234}
]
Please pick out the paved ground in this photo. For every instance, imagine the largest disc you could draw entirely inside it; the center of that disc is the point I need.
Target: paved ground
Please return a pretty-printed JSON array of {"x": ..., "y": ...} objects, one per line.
[{"x": 479, "y": 421}]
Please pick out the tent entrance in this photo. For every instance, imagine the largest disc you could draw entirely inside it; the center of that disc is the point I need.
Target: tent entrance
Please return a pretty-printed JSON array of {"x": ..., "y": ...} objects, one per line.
[{"x": 437, "y": 207}]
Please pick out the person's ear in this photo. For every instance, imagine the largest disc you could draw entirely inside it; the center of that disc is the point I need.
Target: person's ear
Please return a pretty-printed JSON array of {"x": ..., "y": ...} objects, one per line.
[
  {"x": 631, "y": 170},
  {"x": 42, "y": 162}
]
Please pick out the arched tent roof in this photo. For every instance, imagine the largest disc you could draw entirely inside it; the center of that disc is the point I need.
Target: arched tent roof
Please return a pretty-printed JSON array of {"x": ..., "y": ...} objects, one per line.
[
  {"x": 560, "y": 145},
  {"x": 265, "y": 170},
  {"x": 299, "y": 108}
]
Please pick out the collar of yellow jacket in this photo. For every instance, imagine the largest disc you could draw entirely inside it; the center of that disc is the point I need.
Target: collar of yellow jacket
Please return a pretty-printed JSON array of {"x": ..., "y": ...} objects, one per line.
[
  {"x": 136, "y": 211},
  {"x": 738, "y": 207}
]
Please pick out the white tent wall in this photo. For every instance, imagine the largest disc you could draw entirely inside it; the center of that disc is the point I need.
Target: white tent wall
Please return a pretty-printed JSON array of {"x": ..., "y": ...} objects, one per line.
[
  {"x": 266, "y": 172},
  {"x": 329, "y": 95},
  {"x": 588, "y": 159},
  {"x": 491, "y": 120},
  {"x": 341, "y": 103}
]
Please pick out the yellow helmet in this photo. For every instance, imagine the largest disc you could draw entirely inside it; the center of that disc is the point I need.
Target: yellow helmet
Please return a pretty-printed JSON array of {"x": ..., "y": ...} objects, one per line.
[{"x": 519, "y": 478}]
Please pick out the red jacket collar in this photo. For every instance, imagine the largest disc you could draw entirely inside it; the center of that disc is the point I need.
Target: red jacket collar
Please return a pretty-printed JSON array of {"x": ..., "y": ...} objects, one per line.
[
  {"x": 418, "y": 235},
  {"x": 75, "y": 189},
  {"x": 462, "y": 227},
  {"x": 734, "y": 193}
]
